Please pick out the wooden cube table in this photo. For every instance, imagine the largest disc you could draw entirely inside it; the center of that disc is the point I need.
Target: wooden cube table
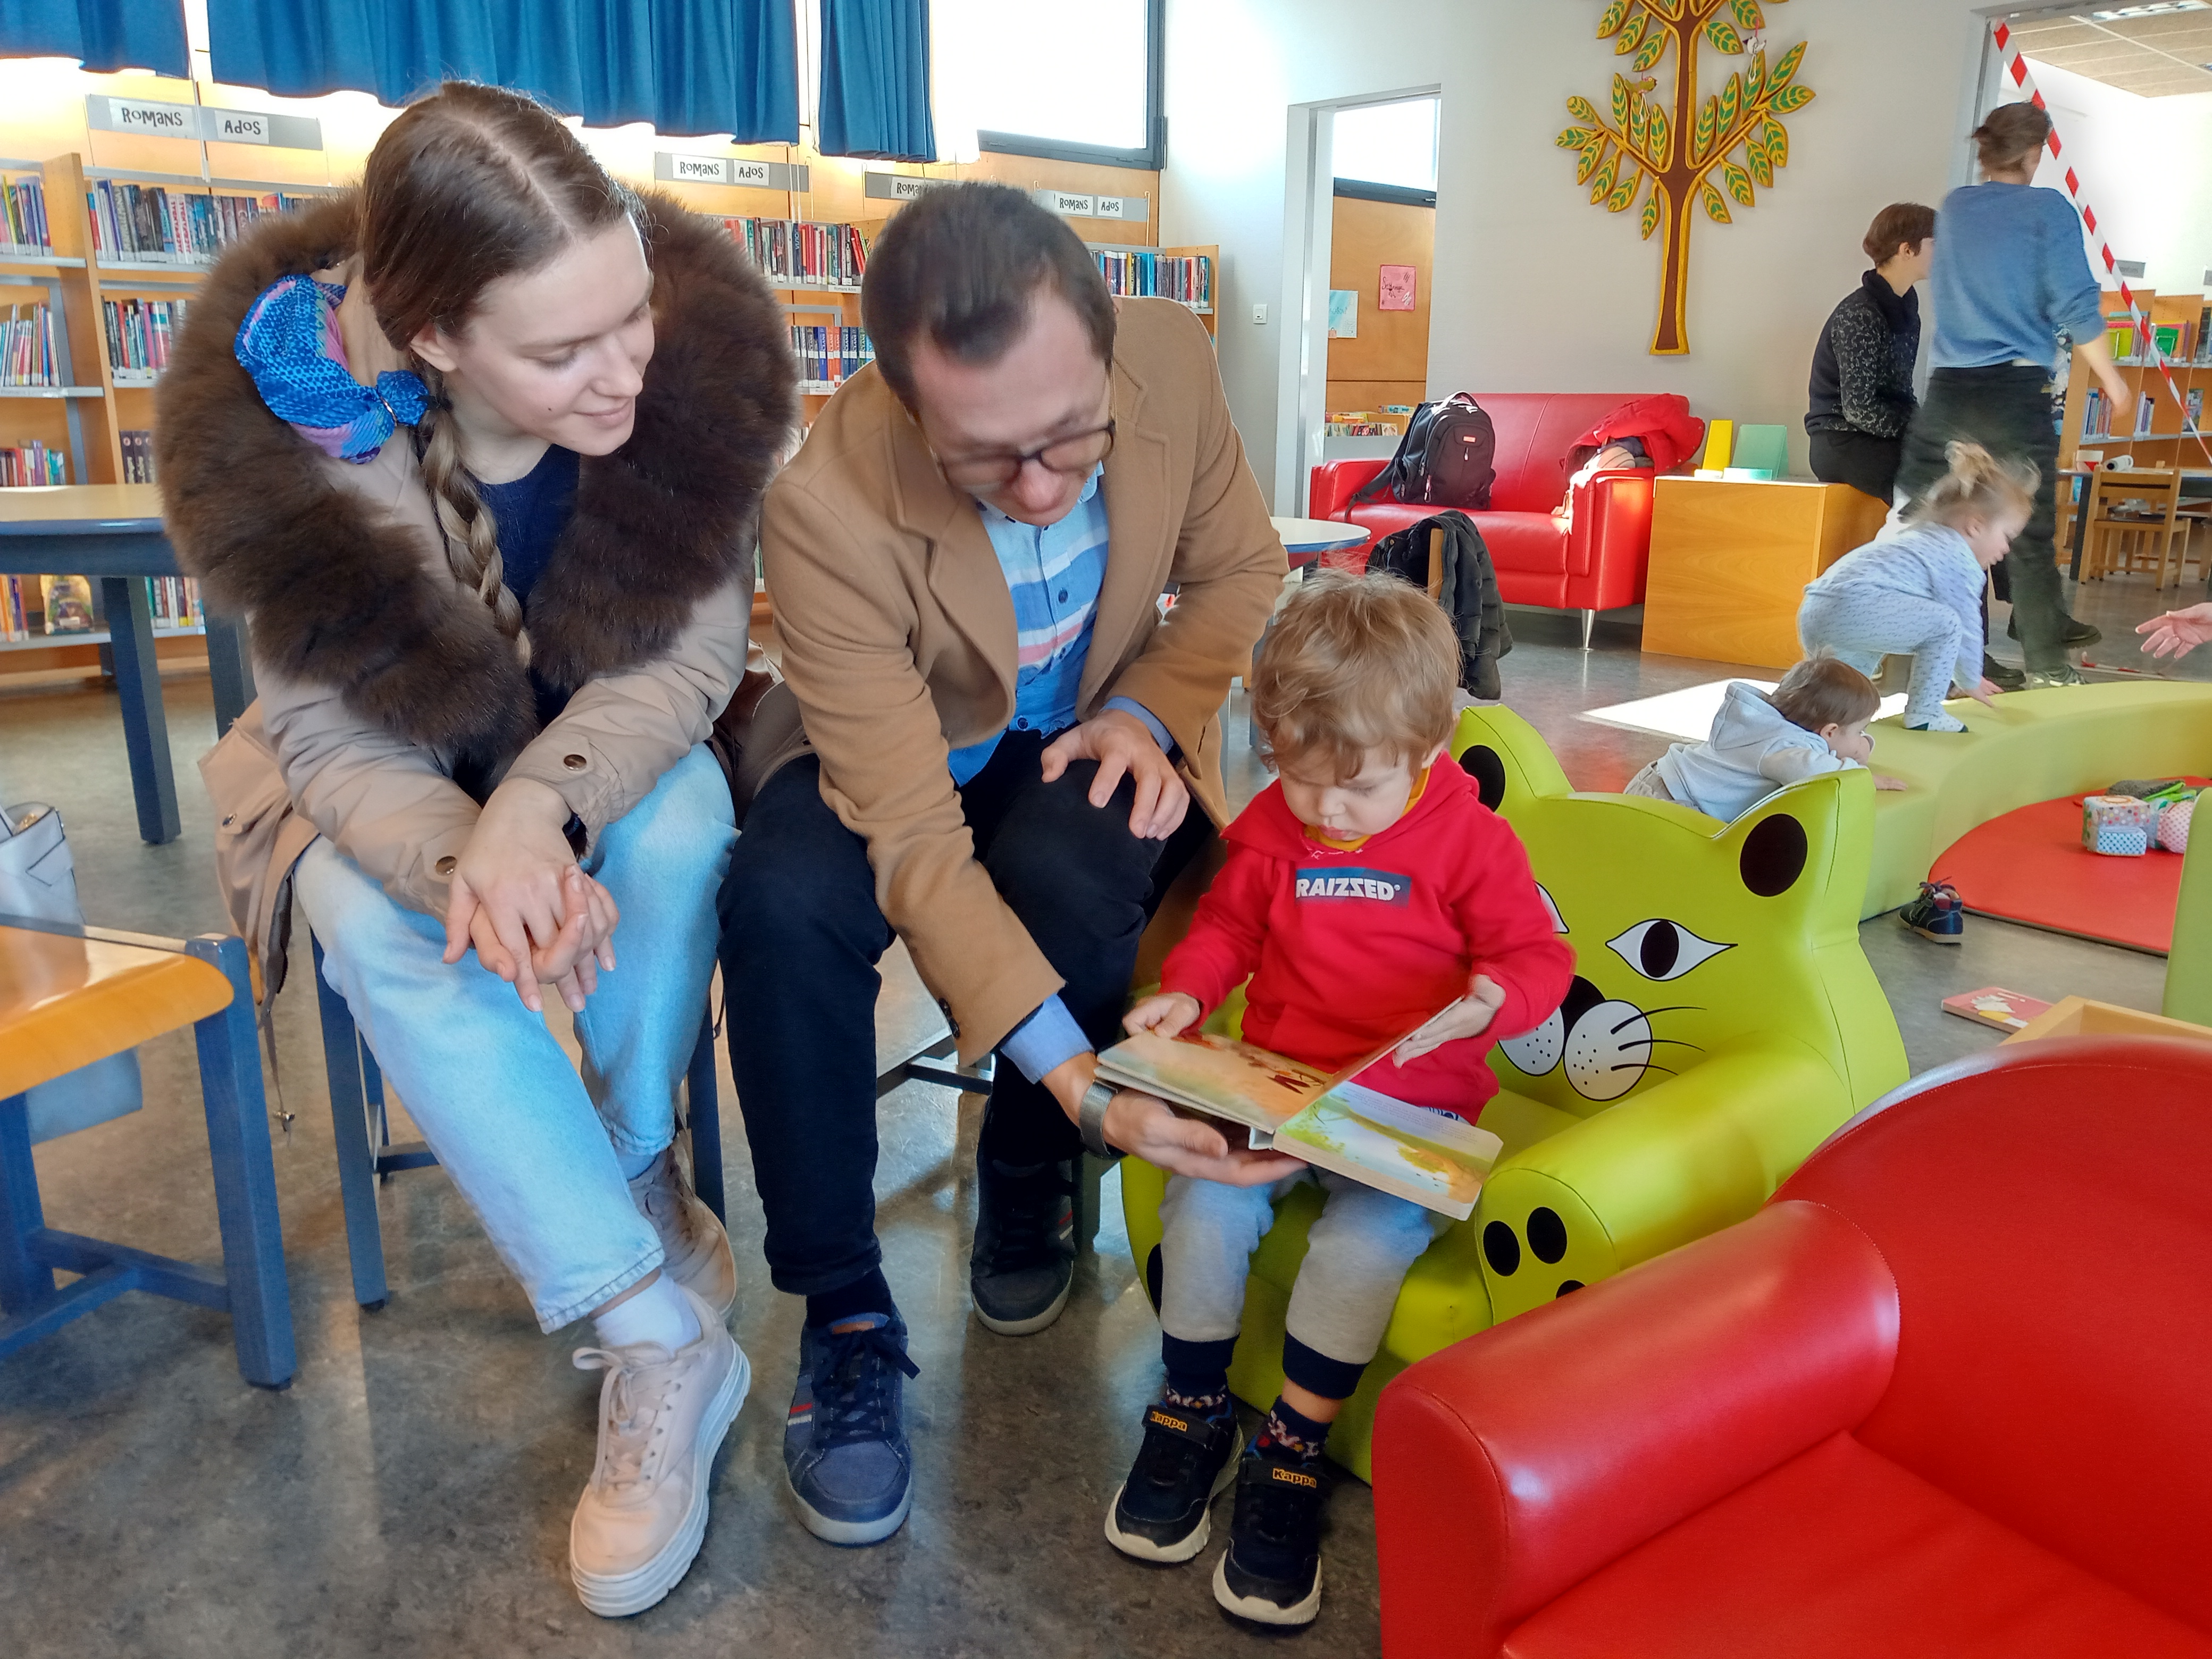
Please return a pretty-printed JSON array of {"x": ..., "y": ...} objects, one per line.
[{"x": 1729, "y": 561}]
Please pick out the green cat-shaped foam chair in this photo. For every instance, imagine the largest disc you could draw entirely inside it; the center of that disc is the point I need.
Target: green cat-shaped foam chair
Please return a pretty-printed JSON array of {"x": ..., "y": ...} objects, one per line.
[{"x": 1723, "y": 1021}]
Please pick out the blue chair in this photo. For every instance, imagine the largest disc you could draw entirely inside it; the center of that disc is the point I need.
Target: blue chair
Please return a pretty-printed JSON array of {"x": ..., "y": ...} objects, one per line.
[
  {"x": 367, "y": 1158},
  {"x": 71, "y": 995}
]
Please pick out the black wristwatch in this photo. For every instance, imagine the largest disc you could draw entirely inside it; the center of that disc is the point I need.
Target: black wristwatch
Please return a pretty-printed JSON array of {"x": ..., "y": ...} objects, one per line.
[{"x": 1091, "y": 1120}]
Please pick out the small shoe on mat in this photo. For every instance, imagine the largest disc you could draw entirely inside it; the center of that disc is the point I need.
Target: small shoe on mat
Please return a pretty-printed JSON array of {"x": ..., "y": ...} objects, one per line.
[
  {"x": 2061, "y": 676},
  {"x": 1938, "y": 722},
  {"x": 2004, "y": 676},
  {"x": 1937, "y": 914}
]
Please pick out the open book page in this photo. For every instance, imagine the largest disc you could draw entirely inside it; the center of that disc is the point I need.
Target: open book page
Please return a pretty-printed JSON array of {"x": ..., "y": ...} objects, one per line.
[
  {"x": 1217, "y": 1075},
  {"x": 1435, "y": 1160}
]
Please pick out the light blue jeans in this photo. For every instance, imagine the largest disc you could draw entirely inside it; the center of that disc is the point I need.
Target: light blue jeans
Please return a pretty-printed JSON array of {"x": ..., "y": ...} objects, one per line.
[{"x": 529, "y": 1143}]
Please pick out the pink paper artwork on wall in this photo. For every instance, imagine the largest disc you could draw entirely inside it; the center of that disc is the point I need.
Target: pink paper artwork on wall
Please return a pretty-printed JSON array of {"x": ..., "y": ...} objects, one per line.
[{"x": 1396, "y": 284}]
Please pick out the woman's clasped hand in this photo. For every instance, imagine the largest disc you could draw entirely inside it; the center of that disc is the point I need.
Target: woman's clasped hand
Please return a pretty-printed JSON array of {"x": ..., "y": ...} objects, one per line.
[{"x": 520, "y": 899}]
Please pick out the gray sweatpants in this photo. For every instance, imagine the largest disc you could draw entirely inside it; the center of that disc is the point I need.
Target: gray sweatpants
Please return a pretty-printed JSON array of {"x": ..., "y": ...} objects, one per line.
[
  {"x": 1357, "y": 1254},
  {"x": 1863, "y": 626}
]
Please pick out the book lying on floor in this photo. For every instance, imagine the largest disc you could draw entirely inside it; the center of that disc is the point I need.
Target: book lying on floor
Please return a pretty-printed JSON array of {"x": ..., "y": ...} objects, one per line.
[
  {"x": 2006, "y": 1010},
  {"x": 1432, "y": 1158}
]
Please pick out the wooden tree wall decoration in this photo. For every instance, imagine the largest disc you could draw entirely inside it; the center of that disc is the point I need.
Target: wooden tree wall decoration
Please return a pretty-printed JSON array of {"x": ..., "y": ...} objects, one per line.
[{"x": 1678, "y": 145}]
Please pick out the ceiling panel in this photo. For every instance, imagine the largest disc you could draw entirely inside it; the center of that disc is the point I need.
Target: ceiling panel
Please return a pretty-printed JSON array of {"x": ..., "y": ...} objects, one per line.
[{"x": 2161, "y": 53}]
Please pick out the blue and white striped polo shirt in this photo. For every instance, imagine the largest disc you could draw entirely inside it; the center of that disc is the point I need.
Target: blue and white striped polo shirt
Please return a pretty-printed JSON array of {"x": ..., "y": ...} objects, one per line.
[{"x": 1054, "y": 572}]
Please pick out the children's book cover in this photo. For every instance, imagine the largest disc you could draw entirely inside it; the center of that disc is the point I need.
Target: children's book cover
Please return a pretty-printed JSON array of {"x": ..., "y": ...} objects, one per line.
[
  {"x": 1330, "y": 1121},
  {"x": 1991, "y": 1006}
]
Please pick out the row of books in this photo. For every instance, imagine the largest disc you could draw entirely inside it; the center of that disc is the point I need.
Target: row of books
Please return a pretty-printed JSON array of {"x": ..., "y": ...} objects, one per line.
[
  {"x": 31, "y": 464},
  {"x": 26, "y": 347},
  {"x": 1138, "y": 273},
  {"x": 23, "y": 212},
  {"x": 1348, "y": 428},
  {"x": 63, "y": 605},
  {"x": 2096, "y": 412},
  {"x": 137, "y": 456},
  {"x": 141, "y": 334},
  {"x": 833, "y": 356},
  {"x": 2177, "y": 343},
  {"x": 802, "y": 253},
  {"x": 154, "y": 226}
]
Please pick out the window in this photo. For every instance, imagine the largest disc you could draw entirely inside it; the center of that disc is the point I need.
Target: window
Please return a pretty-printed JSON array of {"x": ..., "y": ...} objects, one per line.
[
  {"x": 1387, "y": 151},
  {"x": 1068, "y": 82}
]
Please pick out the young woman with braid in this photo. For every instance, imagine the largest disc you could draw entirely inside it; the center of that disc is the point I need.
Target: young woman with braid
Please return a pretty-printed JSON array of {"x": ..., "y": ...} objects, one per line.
[{"x": 478, "y": 448}]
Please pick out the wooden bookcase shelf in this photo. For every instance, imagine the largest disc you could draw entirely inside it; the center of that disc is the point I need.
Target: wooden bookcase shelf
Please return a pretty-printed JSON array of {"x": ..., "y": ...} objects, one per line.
[{"x": 2167, "y": 442}]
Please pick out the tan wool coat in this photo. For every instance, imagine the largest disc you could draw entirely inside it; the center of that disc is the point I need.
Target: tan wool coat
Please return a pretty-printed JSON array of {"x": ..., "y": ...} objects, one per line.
[
  {"x": 390, "y": 703},
  {"x": 898, "y": 635}
]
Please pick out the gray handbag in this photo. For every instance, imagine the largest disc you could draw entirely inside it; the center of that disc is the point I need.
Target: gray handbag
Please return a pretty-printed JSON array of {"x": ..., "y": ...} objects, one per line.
[{"x": 38, "y": 880}]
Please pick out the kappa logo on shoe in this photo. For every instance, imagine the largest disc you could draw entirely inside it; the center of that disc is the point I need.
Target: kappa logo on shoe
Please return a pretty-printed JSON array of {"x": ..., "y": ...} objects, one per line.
[
  {"x": 1293, "y": 1477},
  {"x": 1379, "y": 886},
  {"x": 1161, "y": 1418}
]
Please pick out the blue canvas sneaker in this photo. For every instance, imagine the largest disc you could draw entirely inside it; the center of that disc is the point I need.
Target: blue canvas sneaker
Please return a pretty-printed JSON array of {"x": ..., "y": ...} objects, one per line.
[
  {"x": 1937, "y": 914},
  {"x": 844, "y": 1446}
]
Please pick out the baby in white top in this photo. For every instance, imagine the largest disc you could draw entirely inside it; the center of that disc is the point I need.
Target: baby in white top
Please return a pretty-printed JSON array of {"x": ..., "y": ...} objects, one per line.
[{"x": 1815, "y": 722}]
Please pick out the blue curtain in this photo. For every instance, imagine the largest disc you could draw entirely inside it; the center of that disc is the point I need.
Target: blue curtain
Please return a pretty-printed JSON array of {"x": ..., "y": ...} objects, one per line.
[
  {"x": 875, "y": 80},
  {"x": 107, "y": 34},
  {"x": 687, "y": 66}
]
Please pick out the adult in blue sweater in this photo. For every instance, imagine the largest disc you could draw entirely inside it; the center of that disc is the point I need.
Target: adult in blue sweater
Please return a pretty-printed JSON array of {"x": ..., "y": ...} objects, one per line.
[{"x": 2010, "y": 276}]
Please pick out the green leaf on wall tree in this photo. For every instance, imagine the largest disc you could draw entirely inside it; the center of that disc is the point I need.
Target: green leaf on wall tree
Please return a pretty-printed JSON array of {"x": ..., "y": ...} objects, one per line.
[
  {"x": 1653, "y": 205},
  {"x": 1631, "y": 36},
  {"x": 1601, "y": 187},
  {"x": 1588, "y": 165},
  {"x": 1731, "y": 101},
  {"x": 1788, "y": 66},
  {"x": 1708, "y": 121},
  {"x": 1620, "y": 101},
  {"x": 1738, "y": 182},
  {"x": 1726, "y": 39},
  {"x": 1754, "y": 78},
  {"x": 1625, "y": 192},
  {"x": 1653, "y": 50},
  {"x": 1574, "y": 138},
  {"x": 1582, "y": 110},
  {"x": 1662, "y": 140},
  {"x": 1615, "y": 15},
  {"x": 1791, "y": 97},
  {"x": 1716, "y": 209},
  {"x": 1747, "y": 15},
  {"x": 1762, "y": 169},
  {"x": 1778, "y": 143}
]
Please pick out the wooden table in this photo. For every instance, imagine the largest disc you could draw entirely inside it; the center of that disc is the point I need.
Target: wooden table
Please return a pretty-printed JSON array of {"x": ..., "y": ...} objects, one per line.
[
  {"x": 112, "y": 533},
  {"x": 1729, "y": 561}
]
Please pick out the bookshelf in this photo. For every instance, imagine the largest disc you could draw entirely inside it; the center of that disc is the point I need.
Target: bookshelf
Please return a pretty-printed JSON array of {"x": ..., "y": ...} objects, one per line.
[{"x": 2168, "y": 439}]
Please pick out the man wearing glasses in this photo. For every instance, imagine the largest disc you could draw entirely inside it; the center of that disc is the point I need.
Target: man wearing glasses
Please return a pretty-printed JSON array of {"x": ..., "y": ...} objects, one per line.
[{"x": 966, "y": 560}]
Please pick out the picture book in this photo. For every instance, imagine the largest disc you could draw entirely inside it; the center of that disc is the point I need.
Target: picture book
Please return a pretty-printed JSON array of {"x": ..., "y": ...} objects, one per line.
[
  {"x": 67, "y": 602},
  {"x": 2006, "y": 1010},
  {"x": 1328, "y": 1121}
]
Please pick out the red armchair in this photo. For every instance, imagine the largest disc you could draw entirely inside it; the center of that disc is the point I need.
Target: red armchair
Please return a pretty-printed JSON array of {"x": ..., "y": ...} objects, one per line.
[
  {"x": 1944, "y": 1395},
  {"x": 1596, "y": 565}
]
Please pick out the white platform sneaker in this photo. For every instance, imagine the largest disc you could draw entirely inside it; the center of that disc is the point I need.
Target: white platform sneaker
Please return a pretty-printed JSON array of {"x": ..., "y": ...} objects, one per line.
[
  {"x": 662, "y": 1417},
  {"x": 696, "y": 1249}
]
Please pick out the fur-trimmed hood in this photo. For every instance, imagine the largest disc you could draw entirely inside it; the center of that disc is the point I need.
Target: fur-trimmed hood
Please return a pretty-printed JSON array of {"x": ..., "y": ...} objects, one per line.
[{"x": 342, "y": 594}]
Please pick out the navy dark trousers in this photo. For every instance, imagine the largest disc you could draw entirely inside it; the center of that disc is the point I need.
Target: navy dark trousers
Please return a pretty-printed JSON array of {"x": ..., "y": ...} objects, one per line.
[{"x": 801, "y": 936}]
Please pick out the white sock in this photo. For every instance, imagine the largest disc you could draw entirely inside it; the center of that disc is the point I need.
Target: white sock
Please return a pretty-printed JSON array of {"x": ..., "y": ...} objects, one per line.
[
  {"x": 634, "y": 1164},
  {"x": 659, "y": 1313}
]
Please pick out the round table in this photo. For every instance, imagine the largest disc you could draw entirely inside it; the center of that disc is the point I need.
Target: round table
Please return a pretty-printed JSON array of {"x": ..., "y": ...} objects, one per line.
[{"x": 1307, "y": 539}]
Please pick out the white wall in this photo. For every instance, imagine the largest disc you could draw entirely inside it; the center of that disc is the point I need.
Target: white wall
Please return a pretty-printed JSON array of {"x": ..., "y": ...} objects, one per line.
[
  {"x": 1536, "y": 289},
  {"x": 2145, "y": 165}
]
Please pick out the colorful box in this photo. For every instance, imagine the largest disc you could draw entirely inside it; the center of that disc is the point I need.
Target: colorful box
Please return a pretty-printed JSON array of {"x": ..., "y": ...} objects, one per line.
[{"x": 2119, "y": 826}]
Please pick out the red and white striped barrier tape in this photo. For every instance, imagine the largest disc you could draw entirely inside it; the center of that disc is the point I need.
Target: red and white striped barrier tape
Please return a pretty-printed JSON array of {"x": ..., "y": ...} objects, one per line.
[{"x": 2016, "y": 65}]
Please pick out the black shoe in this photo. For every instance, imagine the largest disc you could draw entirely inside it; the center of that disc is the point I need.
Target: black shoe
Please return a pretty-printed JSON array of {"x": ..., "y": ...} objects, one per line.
[
  {"x": 2076, "y": 632},
  {"x": 2005, "y": 679},
  {"x": 1024, "y": 1256},
  {"x": 1160, "y": 1512},
  {"x": 1271, "y": 1572}
]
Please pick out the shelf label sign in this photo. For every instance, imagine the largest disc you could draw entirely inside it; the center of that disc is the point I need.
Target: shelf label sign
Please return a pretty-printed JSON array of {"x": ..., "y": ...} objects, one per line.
[
  {"x": 898, "y": 187},
  {"x": 202, "y": 122},
  {"x": 1074, "y": 204},
  {"x": 676, "y": 169}
]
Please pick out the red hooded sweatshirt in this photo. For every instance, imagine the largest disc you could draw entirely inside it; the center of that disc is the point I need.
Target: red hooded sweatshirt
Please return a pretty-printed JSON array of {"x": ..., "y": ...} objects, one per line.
[{"x": 1349, "y": 947}]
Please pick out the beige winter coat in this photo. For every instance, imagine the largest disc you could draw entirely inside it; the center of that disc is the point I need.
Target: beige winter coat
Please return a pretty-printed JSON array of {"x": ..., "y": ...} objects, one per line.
[{"x": 390, "y": 704}]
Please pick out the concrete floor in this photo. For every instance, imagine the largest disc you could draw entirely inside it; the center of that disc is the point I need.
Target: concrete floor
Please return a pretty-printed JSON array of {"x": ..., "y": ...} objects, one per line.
[{"x": 410, "y": 1493}]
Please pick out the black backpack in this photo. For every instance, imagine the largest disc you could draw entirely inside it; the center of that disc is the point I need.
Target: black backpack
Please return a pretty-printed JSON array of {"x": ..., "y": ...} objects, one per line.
[{"x": 1448, "y": 458}]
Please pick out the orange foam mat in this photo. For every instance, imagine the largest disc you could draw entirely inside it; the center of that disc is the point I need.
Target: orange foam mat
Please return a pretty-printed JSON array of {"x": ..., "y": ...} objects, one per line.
[{"x": 2030, "y": 866}]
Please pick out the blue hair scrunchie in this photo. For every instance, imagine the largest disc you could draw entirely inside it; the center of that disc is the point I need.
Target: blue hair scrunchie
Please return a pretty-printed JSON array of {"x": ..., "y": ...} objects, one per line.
[{"x": 288, "y": 343}]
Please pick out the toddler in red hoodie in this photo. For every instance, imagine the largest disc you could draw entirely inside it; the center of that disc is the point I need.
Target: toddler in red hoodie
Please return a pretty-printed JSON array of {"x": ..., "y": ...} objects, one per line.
[{"x": 1364, "y": 890}]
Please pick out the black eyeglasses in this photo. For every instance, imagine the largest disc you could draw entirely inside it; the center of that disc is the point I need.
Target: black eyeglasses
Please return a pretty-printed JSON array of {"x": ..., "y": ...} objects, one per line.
[{"x": 1065, "y": 456}]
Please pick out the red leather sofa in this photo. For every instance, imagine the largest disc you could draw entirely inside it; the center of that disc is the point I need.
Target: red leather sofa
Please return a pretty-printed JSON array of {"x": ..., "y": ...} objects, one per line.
[
  {"x": 1597, "y": 565},
  {"x": 1946, "y": 1394}
]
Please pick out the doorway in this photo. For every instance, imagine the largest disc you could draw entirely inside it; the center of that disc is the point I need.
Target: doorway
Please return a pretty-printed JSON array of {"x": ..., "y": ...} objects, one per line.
[{"x": 1359, "y": 213}]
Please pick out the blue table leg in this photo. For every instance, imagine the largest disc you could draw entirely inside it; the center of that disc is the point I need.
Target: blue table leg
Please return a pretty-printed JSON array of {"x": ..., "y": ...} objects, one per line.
[
  {"x": 25, "y": 1281},
  {"x": 231, "y": 668},
  {"x": 244, "y": 1173},
  {"x": 145, "y": 728}
]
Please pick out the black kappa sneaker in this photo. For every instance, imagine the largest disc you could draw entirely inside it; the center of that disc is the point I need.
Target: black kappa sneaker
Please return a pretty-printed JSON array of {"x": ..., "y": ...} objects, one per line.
[
  {"x": 1160, "y": 1514},
  {"x": 1271, "y": 1572},
  {"x": 1024, "y": 1256}
]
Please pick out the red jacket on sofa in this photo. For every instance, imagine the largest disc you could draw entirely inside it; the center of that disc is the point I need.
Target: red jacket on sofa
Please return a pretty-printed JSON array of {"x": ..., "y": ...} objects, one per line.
[
  {"x": 1596, "y": 563},
  {"x": 1943, "y": 1396}
]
